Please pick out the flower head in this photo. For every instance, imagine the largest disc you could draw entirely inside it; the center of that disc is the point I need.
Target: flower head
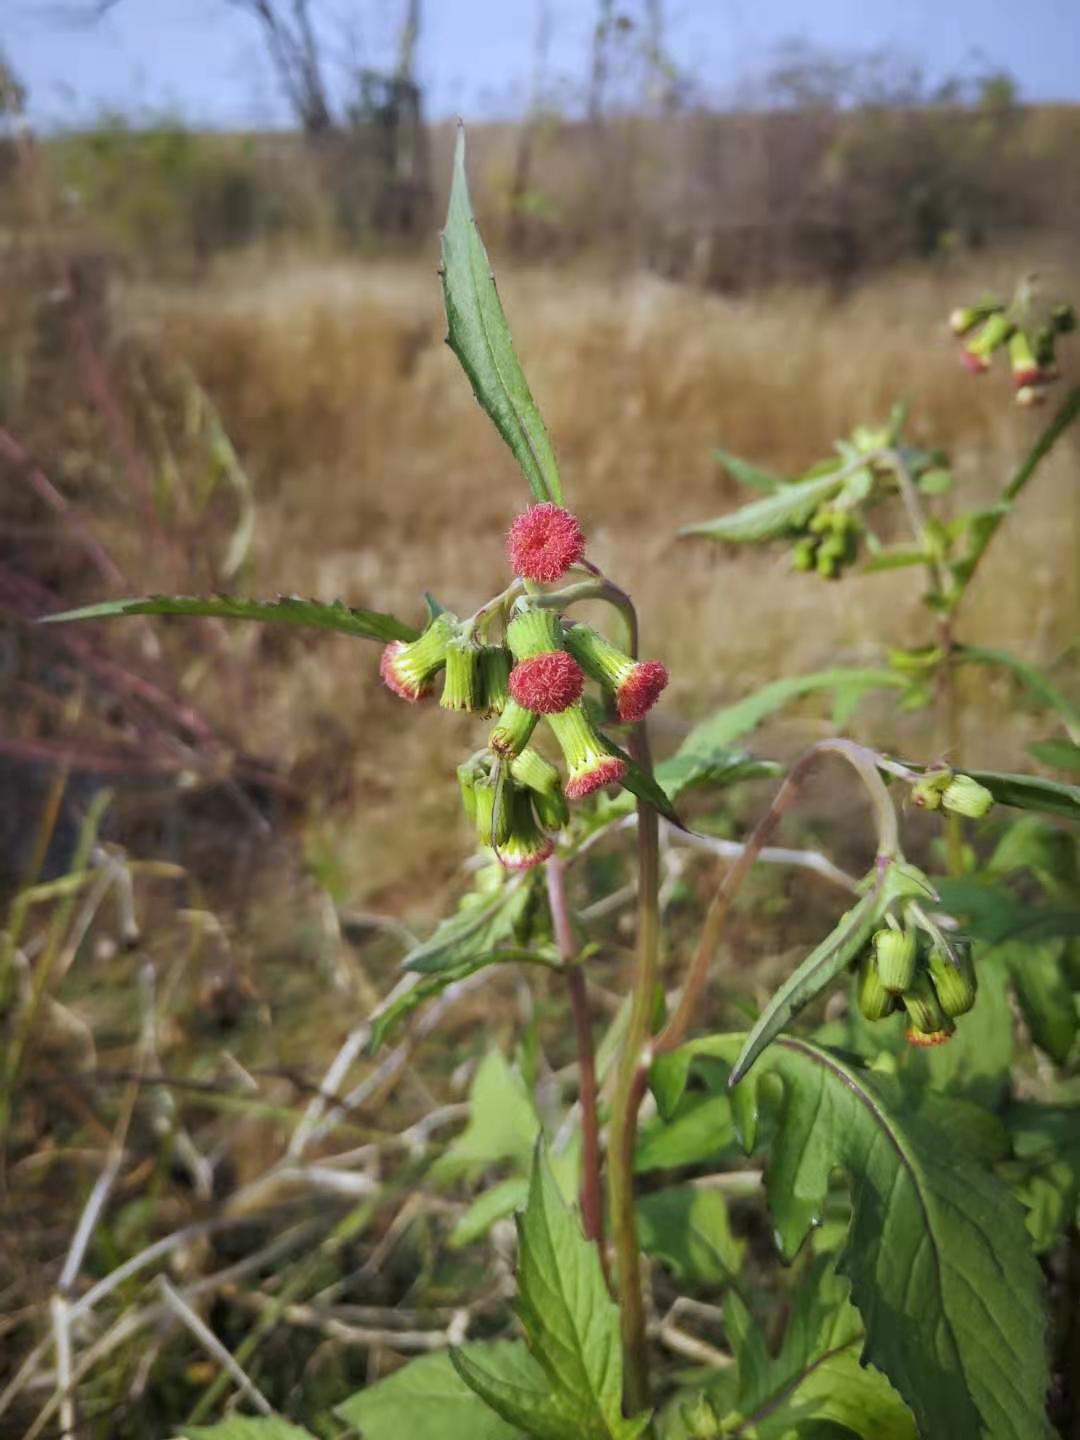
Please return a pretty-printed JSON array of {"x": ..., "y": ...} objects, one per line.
[
  {"x": 588, "y": 756},
  {"x": 526, "y": 845},
  {"x": 636, "y": 684},
  {"x": 547, "y": 683},
  {"x": 397, "y": 675},
  {"x": 641, "y": 689},
  {"x": 409, "y": 668},
  {"x": 544, "y": 541}
]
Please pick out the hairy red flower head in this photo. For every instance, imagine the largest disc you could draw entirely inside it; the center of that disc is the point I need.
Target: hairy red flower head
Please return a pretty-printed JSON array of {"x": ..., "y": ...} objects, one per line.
[
  {"x": 544, "y": 541},
  {"x": 398, "y": 678},
  {"x": 547, "y": 683},
  {"x": 604, "y": 771},
  {"x": 524, "y": 857},
  {"x": 641, "y": 689},
  {"x": 926, "y": 1038},
  {"x": 977, "y": 364}
]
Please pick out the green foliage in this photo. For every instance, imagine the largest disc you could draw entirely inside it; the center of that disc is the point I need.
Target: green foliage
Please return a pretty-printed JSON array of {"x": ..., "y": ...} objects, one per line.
[
  {"x": 1031, "y": 792},
  {"x": 428, "y": 1400},
  {"x": 1038, "y": 685},
  {"x": 503, "y": 1123},
  {"x": 786, "y": 508},
  {"x": 483, "y": 923},
  {"x": 701, "y": 1128},
  {"x": 287, "y": 610},
  {"x": 568, "y": 1383},
  {"x": 243, "y": 1427},
  {"x": 937, "y": 1254},
  {"x": 690, "y": 1231},
  {"x": 480, "y": 337}
]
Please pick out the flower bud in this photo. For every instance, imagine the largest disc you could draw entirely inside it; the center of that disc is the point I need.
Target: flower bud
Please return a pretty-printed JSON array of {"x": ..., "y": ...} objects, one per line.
[
  {"x": 495, "y": 665},
  {"x": 544, "y": 541},
  {"x": 538, "y": 775},
  {"x": 804, "y": 554},
  {"x": 964, "y": 796},
  {"x": 966, "y": 317},
  {"x": 494, "y": 802},
  {"x": 462, "y": 688},
  {"x": 636, "y": 684},
  {"x": 875, "y": 1001},
  {"x": 408, "y": 669},
  {"x": 513, "y": 729},
  {"x": 927, "y": 792},
  {"x": 1025, "y": 367},
  {"x": 526, "y": 844},
  {"x": 588, "y": 758},
  {"x": 1030, "y": 395},
  {"x": 994, "y": 333},
  {"x": 533, "y": 631},
  {"x": 954, "y": 985},
  {"x": 929, "y": 1023},
  {"x": 895, "y": 953}
]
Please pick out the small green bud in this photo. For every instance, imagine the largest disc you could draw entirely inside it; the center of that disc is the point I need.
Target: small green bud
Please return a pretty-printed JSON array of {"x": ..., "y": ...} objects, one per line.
[
  {"x": 513, "y": 729},
  {"x": 495, "y": 663},
  {"x": 954, "y": 985},
  {"x": 990, "y": 337},
  {"x": 895, "y": 953},
  {"x": 804, "y": 553},
  {"x": 875, "y": 1001},
  {"x": 820, "y": 521},
  {"x": 927, "y": 792},
  {"x": 1025, "y": 366},
  {"x": 539, "y": 776},
  {"x": 494, "y": 800},
  {"x": 461, "y": 683},
  {"x": 964, "y": 796},
  {"x": 925, "y": 1013},
  {"x": 526, "y": 844},
  {"x": 533, "y": 631}
]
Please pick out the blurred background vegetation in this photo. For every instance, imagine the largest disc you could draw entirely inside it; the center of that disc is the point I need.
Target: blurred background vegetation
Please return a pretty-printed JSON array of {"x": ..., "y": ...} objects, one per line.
[{"x": 221, "y": 368}]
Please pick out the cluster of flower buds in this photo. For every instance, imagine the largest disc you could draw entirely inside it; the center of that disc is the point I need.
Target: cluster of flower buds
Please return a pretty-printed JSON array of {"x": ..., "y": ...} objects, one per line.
[
  {"x": 830, "y": 544},
  {"x": 910, "y": 964},
  {"x": 944, "y": 789},
  {"x": 989, "y": 326},
  {"x": 515, "y": 798}
]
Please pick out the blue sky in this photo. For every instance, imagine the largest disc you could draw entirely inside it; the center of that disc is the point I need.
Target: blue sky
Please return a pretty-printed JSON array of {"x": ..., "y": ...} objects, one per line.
[{"x": 203, "y": 58}]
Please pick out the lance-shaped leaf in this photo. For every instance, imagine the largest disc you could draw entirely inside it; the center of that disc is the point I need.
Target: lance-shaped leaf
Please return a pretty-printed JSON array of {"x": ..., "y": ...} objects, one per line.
[
  {"x": 480, "y": 337},
  {"x": 482, "y": 924},
  {"x": 571, "y": 1385},
  {"x": 938, "y": 1257},
  {"x": 785, "y": 508},
  {"x": 840, "y": 947},
  {"x": 751, "y": 475},
  {"x": 401, "y": 1004},
  {"x": 1031, "y": 792},
  {"x": 286, "y": 610}
]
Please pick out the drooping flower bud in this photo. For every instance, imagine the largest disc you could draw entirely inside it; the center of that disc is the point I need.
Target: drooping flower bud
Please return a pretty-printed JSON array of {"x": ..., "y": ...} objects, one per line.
[
  {"x": 588, "y": 758},
  {"x": 954, "y": 985},
  {"x": 495, "y": 665},
  {"x": 533, "y": 631},
  {"x": 895, "y": 953},
  {"x": 547, "y": 683},
  {"x": 966, "y": 317},
  {"x": 544, "y": 541},
  {"x": 408, "y": 669},
  {"x": 513, "y": 729},
  {"x": 494, "y": 805},
  {"x": 526, "y": 845},
  {"x": 1030, "y": 395},
  {"x": 462, "y": 684},
  {"x": 929, "y": 1023},
  {"x": 875, "y": 1001},
  {"x": 539, "y": 776},
  {"x": 636, "y": 684},
  {"x": 1025, "y": 367},
  {"x": 965, "y": 796},
  {"x": 994, "y": 333},
  {"x": 804, "y": 553},
  {"x": 927, "y": 792}
]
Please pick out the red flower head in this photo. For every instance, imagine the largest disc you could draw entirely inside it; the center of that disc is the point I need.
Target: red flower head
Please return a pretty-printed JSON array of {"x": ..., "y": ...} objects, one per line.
[
  {"x": 547, "y": 683},
  {"x": 641, "y": 689},
  {"x": 606, "y": 770},
  {"x": 544, "y": 541},
  {"x": 398, "y": 677},
  {"x": 926, "y": 1040}
]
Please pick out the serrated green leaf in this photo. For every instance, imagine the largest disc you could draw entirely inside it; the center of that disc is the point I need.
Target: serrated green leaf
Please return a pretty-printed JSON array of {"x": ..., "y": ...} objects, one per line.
[
  {"x": 1031, "y": 792},
  {"x": 483, "y": 923},
  {"x": 1039, "y": 685},
  {"x": 815, "y": 1379},
  {"x": 246, "y": 1427},
  {"x": 480, "y": 337},
  {"x": 751, "y": 475},
  {"x": 428, "y": 1400},
  {"x": 939, "y": 1261},
  {"x": 721, "y": 730},
  {"x": 1060, "y": 754},
  {"x": 286, "y": 610},
  {"x": 574, "y": 1386},
  {"x": 503, "y": 1123},
  {"x": 777, "y": 514},
  {"x": 690, "y": 1231}
]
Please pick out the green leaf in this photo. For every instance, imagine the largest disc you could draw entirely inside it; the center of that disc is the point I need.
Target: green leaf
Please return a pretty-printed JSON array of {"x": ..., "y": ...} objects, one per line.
[
  {"x": 503, "y": 1123},
  {"x": 777, "y": 514},
  {"x": 1060, "y": 754},
  {"x": 899, "y": 558},
  {"x": 286, "y": 610},
  {"x": 1044, "y": 993},
  {"x": 689, "y": 1230},
  {"x": 720, "y": 730},
  {"x": 1039, "y": 685},
  {"x": 480, "y": 337},
  {"x": 428, "y": 1400},
  {"x": 645, "y": 787},
  {"x": 815, "y": 1379},
  {"x": 840, "y": 947},
  {"x": 244, "y": 1427},
  {"x": 574, "y": 1386},
  {"x": 1046, "y": 1139},
  {"x": 752, "y": 475},
  {"x": 701, "y": 1129},
  {"x": 993, "y": 913},
  {"x": 937, "y": 1253},
  {"x": 492, "y": 1204},
  {"x": 1031, "y": 792},
  {"x": 482, "y": 924}
]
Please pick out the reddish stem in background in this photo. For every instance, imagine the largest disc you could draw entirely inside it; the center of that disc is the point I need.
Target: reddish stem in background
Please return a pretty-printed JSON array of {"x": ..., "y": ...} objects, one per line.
[{"x": 592, "y": 1206}]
